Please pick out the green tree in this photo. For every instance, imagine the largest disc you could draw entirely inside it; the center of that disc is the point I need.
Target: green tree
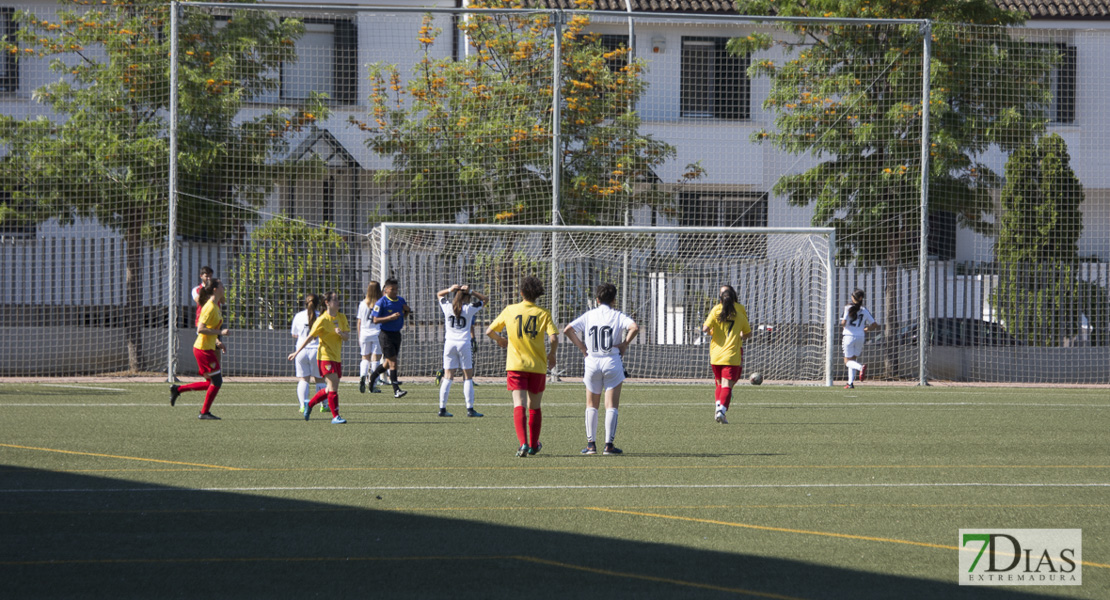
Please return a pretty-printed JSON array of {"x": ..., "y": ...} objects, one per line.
[
  {"x": 850, "y": 96},
  {"x": 103, "y": 153},
  {"x": 1039, "y": 296},
  {"x": 286, "y": 259},
  {"x": 475, "y": 134}
]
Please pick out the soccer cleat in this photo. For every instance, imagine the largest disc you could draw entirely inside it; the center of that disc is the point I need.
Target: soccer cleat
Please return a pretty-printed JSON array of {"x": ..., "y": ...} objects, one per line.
[
  {"x": 175, "y": 391},
  {"x": 307, "y": 411},
  {"x": 862, "y": 372},
  {"x": 522, "y": 452},
  {"x": 611, "y": 449},
  {"x": 533, "y": 450},
  {"x": 720, "y": 418},
  {"x": 208, "y": 417},
  {"x": 399, "y": 394},
  {"x": 362, "y": 384},
  {"x": 338, "y": 421},
  {"x": 591, "y": 448},
  {"x": 470, "y": 412},
  {"x": 374, "y": 386},
  {"x": 439, "y": 376},
  {"x": 443, "y": 413},
  {"x": 324, "y": 407},
  {"x": 849, "y": 387}
]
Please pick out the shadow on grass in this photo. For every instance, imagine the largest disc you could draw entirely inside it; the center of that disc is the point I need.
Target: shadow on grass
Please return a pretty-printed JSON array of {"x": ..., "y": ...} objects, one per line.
[{"x": 69, "y": 536}]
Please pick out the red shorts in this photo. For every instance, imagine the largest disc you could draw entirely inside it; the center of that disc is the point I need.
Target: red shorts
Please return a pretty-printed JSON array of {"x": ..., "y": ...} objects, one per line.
[
  {"x": 533, "y": 383},
  {"x": 729, "y": 372},
  {"x": 208, "y": 361},
  {"x": 327, "y": 367}
]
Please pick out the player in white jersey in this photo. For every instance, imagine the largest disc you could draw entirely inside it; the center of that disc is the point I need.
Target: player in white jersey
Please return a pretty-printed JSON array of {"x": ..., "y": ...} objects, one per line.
[
  {"x": 856, "y": 321},
  {"x": 306, "y": 364},
  {"x": 603, "y": 335},
  {"x": 459, "y": 305},
  {"x": 368, "y": 332}
]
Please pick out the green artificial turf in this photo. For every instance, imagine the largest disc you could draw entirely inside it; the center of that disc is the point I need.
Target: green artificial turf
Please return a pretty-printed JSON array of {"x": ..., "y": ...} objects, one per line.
[{"x": 809, "y": 492}]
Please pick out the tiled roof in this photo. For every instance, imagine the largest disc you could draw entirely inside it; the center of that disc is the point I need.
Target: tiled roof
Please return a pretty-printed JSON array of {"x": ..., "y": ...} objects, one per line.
[{"x": 1036, "y": 9}]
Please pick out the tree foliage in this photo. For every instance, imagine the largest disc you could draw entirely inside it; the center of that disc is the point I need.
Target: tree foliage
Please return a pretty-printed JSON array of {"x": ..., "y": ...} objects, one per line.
[
  {"x": 1039, "y": 296},
  {"x": 101, "y": 150},
  {"x": 851, "y": 95},
  {"x": 475, "y": 134},
  {"x": 286, "y": 259}
]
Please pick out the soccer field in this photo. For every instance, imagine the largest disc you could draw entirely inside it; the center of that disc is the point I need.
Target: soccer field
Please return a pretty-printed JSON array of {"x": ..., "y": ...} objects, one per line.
[{"x": 108, "y": 492}]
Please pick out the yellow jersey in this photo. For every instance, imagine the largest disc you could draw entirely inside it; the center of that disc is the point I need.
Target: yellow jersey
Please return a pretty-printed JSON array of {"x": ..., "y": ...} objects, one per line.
[
  {"x": 211, "y": 317},
  {"x": 331, "y": 344},
  {"x": 725, "y": 345},
  {"x": 522, "y": 324}
]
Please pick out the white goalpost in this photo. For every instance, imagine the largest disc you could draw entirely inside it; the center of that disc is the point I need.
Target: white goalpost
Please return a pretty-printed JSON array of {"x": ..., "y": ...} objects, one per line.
[{"x": 667, "y": 278}]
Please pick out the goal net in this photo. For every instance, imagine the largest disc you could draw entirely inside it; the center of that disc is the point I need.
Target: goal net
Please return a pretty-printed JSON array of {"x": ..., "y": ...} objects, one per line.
[{"x": 667, "y": 278}]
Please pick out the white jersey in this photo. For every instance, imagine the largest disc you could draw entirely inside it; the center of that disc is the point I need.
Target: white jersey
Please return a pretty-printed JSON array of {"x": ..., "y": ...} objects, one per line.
[
  {"x": 458, "y": 328},
  {"x": 601, "y": 329},
  {"x": 854, "y": 327},
  {"x": 367, "y": 326},
  {"x": 300, "y": 329}
]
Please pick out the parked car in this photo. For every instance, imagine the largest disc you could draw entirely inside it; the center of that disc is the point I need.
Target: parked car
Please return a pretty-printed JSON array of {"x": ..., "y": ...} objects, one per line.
[{"x": 960, "y": 331}]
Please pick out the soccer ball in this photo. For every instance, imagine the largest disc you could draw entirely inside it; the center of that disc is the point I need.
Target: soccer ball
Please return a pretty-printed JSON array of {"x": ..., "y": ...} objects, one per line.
[{"x": 757, "y": 378}]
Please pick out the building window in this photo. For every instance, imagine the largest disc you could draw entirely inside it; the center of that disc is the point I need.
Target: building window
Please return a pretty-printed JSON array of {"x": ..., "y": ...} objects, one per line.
[
  {"x": 714, "y": 209},
  {"x": 941, "y": 239},
  {"x": 714, "y": 83},
  {"x": 9, "y": 66},
  {"x": 611, "y": 42},
  {"x": 1063, "y": 83},
  {"x": 327, "y": 63}
]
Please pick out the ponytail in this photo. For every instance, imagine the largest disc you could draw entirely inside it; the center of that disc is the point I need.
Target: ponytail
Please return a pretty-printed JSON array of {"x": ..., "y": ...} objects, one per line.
[
  {"x": 728, "y": 300},
  {"x": 858, "y": 297},
  {"x": 312, "y": 305},
  {"x": 207, "y": 290},
  {"x": 461, "y": 299}
]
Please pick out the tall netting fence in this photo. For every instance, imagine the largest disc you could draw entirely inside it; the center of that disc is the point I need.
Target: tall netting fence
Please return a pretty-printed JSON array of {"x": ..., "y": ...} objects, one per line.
[{"x": 298, "y": 130}]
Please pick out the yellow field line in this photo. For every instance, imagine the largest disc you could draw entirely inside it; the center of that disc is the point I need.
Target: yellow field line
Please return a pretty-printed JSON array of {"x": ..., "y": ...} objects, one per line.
[
  {"x": 680, "y": 582},
  {"x": 847, "y": 536},
  {"x": 153, "y": 460}
]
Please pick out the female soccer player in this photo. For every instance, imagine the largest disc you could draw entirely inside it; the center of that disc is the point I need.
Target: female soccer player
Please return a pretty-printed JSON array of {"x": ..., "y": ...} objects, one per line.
[
  {"x": 306, "y": 364},
  {"x": 459, "y": 312},
  {"x": 206, "y": 274},
  {"x": 207, "y": 349},
  {"x": 390, "y": 312},
  {"x": 603, "y": 327},
  {"x": 331, "y": 329},
  {"x": 856, "y": 322},
  {"x": 525, "y": 361},
  {"x": 728, "y": 325},
  {"x": 368, "y": 336}
]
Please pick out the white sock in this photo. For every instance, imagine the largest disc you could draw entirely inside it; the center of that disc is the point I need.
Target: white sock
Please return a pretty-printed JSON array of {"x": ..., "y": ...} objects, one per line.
[
  {"x": 444, "y": 389},
  {"x": 854, "y": 365},
  {"x": 591, "y": 424},
  {"x": 364, "y": 368},
  {"x": 610, "y": 425},
  {"x": 302, "y": 393},
  {"x": 468, "y": 392}
]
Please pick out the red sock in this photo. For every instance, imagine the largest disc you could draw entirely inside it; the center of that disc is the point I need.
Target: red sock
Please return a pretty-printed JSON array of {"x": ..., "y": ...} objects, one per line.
[
  {"x": 726, "y": 397},
  {"x": 520, "y": 423},
  {"x": 719, "y": 394},
  {"x": 333, "y": 403},
  {"x": 535, "y": 420},
  {"x": 192, "y": 387},
  {"x": 320, "y": 395},
  {"x": 209, "y": 397}
]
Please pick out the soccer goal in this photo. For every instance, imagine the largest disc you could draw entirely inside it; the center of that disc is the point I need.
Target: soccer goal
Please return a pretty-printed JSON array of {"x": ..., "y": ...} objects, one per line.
[{"x": 668, "y": 278}]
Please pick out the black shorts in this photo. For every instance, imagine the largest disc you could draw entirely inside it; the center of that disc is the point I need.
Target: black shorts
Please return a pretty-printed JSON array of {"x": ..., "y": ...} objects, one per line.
[{"x": 390, "y": 342}]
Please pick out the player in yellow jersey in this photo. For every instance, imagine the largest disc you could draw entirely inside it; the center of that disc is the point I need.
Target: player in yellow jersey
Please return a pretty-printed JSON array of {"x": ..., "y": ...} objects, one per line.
[
  {"x": 728, "y": 325},
  {"x": 332, "y": 329},
  {"x": 526, "y": 363},
  {"x": 207, "y": 349}
]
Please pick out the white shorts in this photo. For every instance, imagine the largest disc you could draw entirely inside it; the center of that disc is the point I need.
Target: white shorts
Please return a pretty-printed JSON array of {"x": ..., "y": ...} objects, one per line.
[
  {"x": 603, "y": 373},
  {"x": 368, "y": 344},
  {"x": 853, "y": 346},
  {"x": 306, "y": 363},
  {"x": 457, "y": 355}
]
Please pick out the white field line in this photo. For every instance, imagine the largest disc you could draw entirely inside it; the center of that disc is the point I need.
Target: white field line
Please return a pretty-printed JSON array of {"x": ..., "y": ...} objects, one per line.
[
  {"x": 82, "y": 387},
  {"x": 465, "y": 488}
]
